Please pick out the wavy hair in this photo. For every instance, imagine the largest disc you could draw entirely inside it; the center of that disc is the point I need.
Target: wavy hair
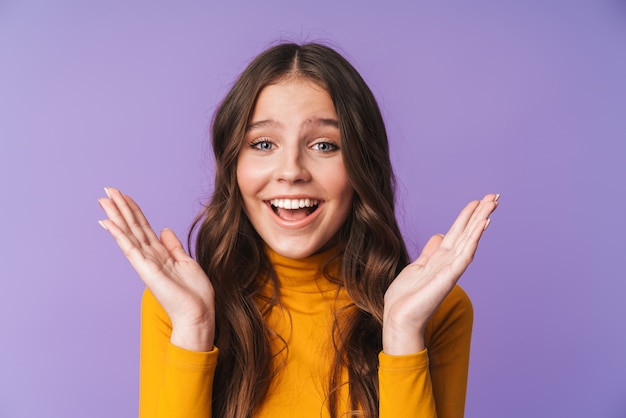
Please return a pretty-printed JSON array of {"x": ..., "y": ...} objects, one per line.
[{"x": 232, "y": 253}]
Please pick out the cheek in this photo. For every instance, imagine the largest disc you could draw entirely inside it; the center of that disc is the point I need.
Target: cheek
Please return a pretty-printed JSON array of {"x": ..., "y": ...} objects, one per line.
[
  {"x": 338, "y": 178},
  {"x": 347, "y": 205},
  {"x": 343, "y": 193},
  {"x": 241, "y": 176},
  {"x": 245, "y": 177},
  {"x": 347, "y": 192}
]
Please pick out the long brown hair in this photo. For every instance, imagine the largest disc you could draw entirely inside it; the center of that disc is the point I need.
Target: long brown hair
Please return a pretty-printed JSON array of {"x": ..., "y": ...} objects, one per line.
[{"x": 232, "y": 253}]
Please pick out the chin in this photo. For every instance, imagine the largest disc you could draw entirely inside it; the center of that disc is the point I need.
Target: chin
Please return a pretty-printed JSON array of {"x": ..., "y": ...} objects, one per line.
[
  {"x": 294, "y": 250},
  {"x": 297, "y": 250},
  {"x": 294, "y": 253}
]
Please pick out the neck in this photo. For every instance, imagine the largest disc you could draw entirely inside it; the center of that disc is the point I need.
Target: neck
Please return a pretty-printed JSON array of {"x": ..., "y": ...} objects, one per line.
[{"x": 309, "y": 274}]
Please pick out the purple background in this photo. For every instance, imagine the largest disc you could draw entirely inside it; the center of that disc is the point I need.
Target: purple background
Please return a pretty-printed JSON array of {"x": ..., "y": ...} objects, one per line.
[{"x": 524, "y": 98}]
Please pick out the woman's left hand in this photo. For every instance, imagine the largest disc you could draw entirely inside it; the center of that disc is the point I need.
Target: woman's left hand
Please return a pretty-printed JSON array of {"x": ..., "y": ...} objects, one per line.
[{"x": 419, "y": 289}]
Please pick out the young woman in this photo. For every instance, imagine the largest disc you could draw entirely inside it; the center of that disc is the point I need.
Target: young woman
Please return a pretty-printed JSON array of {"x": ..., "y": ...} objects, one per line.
[{"x": 302, "y": 301}]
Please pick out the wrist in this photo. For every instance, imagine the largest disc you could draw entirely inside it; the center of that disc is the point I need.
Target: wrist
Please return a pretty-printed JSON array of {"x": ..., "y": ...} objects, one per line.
[
  {"x": 197, "y": 338},
  {"x": 401, "y": 339}
]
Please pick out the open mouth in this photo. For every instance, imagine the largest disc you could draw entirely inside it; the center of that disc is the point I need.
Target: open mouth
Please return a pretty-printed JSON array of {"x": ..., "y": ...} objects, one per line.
[{"x": 294, "y": 209}]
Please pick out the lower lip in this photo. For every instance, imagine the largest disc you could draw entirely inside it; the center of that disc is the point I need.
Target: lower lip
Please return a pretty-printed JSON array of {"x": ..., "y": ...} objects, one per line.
[{"x": 294, "y": 224}]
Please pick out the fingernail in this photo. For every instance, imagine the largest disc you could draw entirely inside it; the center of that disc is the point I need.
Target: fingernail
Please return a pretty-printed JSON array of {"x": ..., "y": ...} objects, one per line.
[
  {"x": 106, "y": 190},
  {"x": 100, "y": 203},
  {"x": 487, "y": 224},
  {"x": 103, "y": 225},
  {"x": 441, "y": 235},
  {"x": 497, "y": 197}
]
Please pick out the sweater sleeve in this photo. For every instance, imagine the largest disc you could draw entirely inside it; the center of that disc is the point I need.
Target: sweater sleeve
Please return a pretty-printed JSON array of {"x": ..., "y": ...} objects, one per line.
[
  {"x": 405, "y": 386},
  {"x": 173, "y": 382},
  {"x": 431, "y": 383}
]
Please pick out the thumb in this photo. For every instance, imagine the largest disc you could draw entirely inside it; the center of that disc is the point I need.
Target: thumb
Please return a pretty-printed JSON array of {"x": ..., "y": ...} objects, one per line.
[
  {"x": 431, "y": 246},
  {"x": 173, "y": 245}
]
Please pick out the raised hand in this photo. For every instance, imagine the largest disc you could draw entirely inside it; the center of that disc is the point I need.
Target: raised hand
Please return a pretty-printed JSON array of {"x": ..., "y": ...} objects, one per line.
[
  {"x": 419, "y": 289},
  {"x": 175, "y": 279}
]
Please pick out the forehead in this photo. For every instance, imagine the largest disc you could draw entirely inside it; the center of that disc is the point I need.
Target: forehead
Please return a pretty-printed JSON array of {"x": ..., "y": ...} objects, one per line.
[{"x": 293, "y": 101}]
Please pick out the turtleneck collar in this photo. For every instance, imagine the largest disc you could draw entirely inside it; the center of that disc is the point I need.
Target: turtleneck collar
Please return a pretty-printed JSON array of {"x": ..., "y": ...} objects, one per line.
[{"x": 305, "y": 274}]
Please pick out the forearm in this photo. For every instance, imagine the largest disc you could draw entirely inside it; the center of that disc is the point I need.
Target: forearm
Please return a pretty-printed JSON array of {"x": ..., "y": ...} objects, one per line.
[
  {"x": 448, "y": 337},
  {"x": 405, "y": 386},
  {"x": 173, "y": 381},
  {"x": 432, "y": 382},
  {"x": 186, "y": 389}
]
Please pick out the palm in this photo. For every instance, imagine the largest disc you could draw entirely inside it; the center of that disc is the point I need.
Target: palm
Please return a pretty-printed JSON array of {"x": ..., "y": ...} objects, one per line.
[
  {"x": 419, "y": 289},
  {"x": 176, "y": 280}
]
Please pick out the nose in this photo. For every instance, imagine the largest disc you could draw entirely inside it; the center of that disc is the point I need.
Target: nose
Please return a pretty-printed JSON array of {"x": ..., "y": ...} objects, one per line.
[{"x": 292, "y": 166}]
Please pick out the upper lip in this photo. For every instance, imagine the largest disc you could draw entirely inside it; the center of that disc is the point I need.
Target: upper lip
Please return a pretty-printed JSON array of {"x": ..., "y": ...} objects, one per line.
[{"x": 292, "y": 196}]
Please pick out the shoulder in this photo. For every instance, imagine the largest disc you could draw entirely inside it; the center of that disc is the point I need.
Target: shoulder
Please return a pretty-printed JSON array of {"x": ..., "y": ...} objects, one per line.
[{"x": 453, "y": 319}]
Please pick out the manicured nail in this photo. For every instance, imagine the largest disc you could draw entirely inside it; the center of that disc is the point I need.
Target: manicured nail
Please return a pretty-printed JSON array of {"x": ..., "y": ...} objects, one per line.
[
  {"x": 106, "y": 190},
  {"x": 103, "y": 225},
  {"x": 497, "y": 197},
  {"x": 487, "y": 224}
]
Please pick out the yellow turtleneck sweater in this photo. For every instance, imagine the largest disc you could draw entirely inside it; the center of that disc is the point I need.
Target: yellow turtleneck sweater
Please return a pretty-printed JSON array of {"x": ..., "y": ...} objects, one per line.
[{"x": 177, "y": 383}]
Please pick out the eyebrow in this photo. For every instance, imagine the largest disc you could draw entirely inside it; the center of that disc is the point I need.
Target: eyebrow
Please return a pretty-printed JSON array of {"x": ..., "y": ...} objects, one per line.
[
  {"x": 262, "y": 124},
  {"x": 273, "y": 123},
  {"x": 323, "y": 122}
]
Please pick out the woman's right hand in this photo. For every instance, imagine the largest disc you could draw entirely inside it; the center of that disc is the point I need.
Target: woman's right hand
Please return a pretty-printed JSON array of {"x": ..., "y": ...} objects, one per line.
[{"x": 174, "y": 278}]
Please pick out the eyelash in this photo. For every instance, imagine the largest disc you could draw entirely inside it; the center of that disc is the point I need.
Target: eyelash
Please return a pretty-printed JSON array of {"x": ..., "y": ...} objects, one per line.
[
  {"x": 256, "y": 144},
  {"x": 261, "y": 141},
  {"x": 333, "y": 146}
]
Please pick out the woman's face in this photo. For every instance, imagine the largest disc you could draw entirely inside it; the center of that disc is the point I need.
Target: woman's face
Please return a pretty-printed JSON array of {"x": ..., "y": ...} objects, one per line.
[{"x": 290, "y": 169}]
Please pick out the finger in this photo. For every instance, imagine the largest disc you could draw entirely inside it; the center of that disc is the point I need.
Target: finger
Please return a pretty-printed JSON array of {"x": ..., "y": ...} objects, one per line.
[
  {"x": 468, "y": 247},
  {"x": 173, "y": 245},
  {"x": 129, "y": 247},
  {"x": 460, "y": 223},
  {"x": 130, "y": 222},
  {"x": 142, "y": 220},
  {"x": 150, "y": 272},
  {"x": 484, "y": 209},
  {"x": 116, "y": 219},
  {"x": 477, "y": 227},
  {"x": 487, "y": 205},
  {"x": 113, "y": 213},
  {"x": 484, "y": 219},
  {"x": 475, "y": 212}
]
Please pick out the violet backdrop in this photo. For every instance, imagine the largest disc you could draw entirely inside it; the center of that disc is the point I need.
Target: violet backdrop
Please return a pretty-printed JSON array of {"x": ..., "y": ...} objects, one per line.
[{"x": 524, "y": 98}]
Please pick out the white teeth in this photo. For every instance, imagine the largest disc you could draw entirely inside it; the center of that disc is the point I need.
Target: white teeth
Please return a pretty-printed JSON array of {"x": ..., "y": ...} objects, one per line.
[{"x": 294, "y": 203}]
